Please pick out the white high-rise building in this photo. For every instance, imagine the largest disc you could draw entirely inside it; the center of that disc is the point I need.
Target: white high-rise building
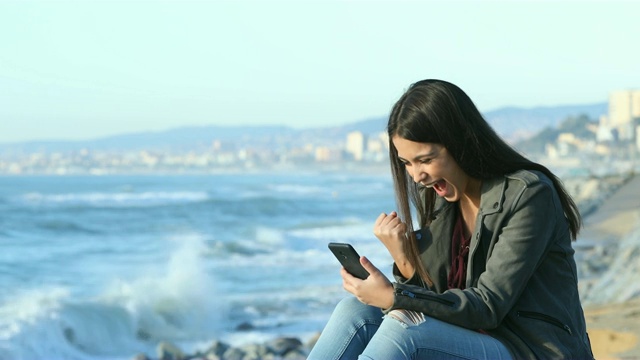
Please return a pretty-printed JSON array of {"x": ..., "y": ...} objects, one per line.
[
  {"x": 624, "y": 107},
  {"x": 355, "y": 145}
]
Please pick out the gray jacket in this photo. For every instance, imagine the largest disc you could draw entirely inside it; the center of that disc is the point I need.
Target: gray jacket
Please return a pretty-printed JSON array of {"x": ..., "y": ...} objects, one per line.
[{"x": 521, "y": 284}]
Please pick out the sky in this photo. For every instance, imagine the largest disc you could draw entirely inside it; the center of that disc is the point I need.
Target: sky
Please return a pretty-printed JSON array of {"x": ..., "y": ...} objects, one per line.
[{"x": 72, "y": 70}]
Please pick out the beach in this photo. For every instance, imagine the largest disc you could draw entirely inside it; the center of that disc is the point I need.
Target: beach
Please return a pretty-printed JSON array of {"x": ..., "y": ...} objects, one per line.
[
  {"x": 614, "y": 330},
  {"x": 610, "y": 236},
  {"x": 606, "y": 248},
  {"x": 613, "y": 324}
]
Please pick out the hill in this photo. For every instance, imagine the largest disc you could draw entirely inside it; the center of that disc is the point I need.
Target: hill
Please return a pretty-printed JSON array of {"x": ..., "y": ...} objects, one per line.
[{"x": 511, "y": 122}]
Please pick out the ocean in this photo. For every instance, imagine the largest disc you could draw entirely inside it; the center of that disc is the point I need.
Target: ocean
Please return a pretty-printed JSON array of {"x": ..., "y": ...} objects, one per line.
[{"x": 105, "y": 267}]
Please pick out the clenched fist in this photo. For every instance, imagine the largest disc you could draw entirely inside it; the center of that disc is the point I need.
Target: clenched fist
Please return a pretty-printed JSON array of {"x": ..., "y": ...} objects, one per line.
[{"x": 392, "y": 232}]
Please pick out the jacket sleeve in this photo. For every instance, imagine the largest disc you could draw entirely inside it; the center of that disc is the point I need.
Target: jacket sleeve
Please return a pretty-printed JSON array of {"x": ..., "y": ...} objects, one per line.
[
  {"x": 414, "y": 280},
  {"x": 525, "y": 235}
]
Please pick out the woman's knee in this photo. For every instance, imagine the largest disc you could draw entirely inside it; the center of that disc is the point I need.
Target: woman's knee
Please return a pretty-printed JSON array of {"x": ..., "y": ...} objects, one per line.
[
  {"x": 402, "y": 335},
  {"x": 352, "y": 307},
  {"x": 352, "y": 304}
]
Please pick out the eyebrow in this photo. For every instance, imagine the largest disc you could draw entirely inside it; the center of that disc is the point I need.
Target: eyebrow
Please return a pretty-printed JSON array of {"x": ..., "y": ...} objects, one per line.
[{"x": 430, "y": 154}]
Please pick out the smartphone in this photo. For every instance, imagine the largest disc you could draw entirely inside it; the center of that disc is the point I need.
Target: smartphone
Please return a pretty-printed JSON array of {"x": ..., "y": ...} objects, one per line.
[{"x": 349, "y": 258}]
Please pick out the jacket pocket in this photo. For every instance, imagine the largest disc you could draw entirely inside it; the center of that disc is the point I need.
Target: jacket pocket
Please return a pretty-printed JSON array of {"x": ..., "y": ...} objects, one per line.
[{"x": 546, "y": 318}]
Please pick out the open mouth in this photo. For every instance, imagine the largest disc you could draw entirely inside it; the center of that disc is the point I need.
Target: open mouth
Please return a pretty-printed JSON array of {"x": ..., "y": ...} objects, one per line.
[{"x": 440, "y": 187}]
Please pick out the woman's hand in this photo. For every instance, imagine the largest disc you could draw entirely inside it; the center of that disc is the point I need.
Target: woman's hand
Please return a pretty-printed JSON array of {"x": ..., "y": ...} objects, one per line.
[
  {"x": 391, "y": 231},
  {"x": 376, "y": 290}
]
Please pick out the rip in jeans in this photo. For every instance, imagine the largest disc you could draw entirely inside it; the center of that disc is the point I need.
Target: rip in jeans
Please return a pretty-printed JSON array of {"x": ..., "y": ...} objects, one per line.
[{"x": 407, "y": 318}]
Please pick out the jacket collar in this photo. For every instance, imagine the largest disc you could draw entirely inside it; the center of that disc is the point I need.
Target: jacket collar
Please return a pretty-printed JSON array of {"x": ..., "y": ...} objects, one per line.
[{"x": 492, "y": 196}]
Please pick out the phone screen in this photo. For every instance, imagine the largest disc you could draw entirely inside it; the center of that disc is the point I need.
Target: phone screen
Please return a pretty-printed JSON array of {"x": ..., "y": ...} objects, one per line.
[{"x": 349, "y": 258}]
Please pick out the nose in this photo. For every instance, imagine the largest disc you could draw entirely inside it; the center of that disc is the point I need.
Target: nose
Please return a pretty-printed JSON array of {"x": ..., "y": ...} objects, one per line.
[{"x": 418, "y": 175}]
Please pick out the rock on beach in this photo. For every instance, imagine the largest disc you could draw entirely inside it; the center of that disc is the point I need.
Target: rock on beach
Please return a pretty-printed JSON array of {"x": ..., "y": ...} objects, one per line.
[{"x": 281, "y": 348}]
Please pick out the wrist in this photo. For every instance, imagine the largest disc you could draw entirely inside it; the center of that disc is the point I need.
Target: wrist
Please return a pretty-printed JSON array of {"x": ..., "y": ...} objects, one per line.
[{"x": 391, "y": 299}]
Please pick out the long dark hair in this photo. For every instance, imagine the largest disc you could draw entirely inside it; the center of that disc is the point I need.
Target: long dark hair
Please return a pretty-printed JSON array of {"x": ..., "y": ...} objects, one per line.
[{"x": 437, "y": 111}]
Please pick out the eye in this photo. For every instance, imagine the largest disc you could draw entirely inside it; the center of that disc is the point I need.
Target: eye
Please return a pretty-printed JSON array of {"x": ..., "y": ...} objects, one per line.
[{"x": 425, "y": 161}]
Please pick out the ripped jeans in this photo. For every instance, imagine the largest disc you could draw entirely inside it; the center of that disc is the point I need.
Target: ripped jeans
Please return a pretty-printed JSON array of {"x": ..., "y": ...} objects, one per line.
[{"x": 358, "y": 331}]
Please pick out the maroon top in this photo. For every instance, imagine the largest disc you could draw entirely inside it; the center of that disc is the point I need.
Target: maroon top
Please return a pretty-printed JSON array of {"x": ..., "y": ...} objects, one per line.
[{"x": 459, "y": 256}]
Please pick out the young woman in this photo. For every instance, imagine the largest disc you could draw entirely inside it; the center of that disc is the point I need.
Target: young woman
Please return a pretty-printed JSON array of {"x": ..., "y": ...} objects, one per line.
[{"x": 490, "y": 274}]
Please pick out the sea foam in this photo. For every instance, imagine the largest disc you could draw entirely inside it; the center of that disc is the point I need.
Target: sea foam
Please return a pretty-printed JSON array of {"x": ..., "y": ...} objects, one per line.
[
  {"x": 179, "y": 304},
  {"x": 119, "y": 199}
]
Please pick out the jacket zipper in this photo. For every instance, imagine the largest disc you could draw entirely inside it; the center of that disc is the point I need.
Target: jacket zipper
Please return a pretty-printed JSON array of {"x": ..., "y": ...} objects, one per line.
[
  {"x": 424, "y": 297},
  {"x": 545, "y": 318}
]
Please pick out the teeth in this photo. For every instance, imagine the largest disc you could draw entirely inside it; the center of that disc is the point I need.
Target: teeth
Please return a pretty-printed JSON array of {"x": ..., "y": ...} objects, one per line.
[{"x": 430, "y": 185}]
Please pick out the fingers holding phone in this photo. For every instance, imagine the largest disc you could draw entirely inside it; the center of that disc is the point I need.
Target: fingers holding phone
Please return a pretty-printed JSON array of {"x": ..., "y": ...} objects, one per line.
[
  {"x": 361, "y": 278},
  {"x": 375, "y": 290}
]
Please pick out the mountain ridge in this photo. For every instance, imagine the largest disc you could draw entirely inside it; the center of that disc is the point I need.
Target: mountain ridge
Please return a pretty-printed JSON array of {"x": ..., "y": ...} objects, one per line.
[{"x": 513, "y": 123}]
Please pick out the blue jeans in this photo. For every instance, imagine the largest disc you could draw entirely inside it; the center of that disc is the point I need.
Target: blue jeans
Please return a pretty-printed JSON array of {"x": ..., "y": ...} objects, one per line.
[{"x": 358, "y": 331}]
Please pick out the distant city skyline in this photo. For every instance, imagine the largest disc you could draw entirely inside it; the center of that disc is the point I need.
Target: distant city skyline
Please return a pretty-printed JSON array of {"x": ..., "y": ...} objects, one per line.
[{"x": 76, "y": 70}]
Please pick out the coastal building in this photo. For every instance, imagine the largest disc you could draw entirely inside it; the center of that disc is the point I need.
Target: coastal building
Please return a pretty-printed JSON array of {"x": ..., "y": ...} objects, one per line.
[
  {"x": 328, "y": 154},
  {"x": 355, "y": 145},
  {"x": 624, "y": 109}
]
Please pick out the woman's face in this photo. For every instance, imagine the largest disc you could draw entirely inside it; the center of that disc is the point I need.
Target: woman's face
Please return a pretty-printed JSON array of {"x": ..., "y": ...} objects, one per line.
[{"x": 431, "y": 165}]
